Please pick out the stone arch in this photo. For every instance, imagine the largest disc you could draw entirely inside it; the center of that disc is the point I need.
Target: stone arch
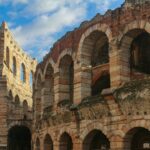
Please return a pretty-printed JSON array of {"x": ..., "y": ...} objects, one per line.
[
  {"x": 63, "y": 53},
  {"x": 138, "y": 24},
  {"x": 20, "y": 123},
  {"x": 66, "y": 78},
  {"x": 39, "y": 75},
  {"x": 98, "y": 27},
  {"x": 25, "y": 106},
  {"x": 95, "y": 139},
  {"x": 135, "y": 63},
  {"x": 38, "y": 97},
  {"x": 95, "y": 126},
  {"x": 19, "y": 137},
  {"x": 48, "y": 143},
  {"x": 51, "y": 62},
  {"x": 93, "y": 57},
  {"x": 17, "y": 101},
  {"x": 48, "y": 86},
  {"x": 7, "y": 56},
  {"x": 65, "y": 142},
  {"x": 14, "y": 66},
  {"x": 136, "y": 124},
  {"x": 137, "y": 138},
  {"x": 23, "y": 73}
]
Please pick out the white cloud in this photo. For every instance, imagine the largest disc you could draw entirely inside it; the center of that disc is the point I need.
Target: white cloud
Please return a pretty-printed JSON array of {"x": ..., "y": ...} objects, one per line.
[
  {"x": 40, "y": 31},
  {"x": 50, "y": 17}
]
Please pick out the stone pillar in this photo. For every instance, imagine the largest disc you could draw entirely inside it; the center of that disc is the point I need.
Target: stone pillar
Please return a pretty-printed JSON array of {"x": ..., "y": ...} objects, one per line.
[
  {"x": 119, "y": 65},
  {"x": 3, "y": 114},
  {"x": 116, "y": 143},
  {"x": 82, "y": 82},
  {"x": 56, "y": 89}
]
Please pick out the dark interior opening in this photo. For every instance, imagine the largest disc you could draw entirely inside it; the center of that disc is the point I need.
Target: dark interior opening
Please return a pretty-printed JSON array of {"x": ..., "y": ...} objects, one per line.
[
  {"x": 66, "y": 142},
  {"x": 140, "y": 53},
  {"x": 141, "y": 140},
  {"x": 102, "y": 83},
  {"x": 96, "y": 140},
  {"x": 19, "y": 138}
]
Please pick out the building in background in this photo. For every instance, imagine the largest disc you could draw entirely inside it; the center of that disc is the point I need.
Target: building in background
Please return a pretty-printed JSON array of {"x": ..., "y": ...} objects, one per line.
[
  {"x": 16, "y": 75},
  {"x": 92, "y": 91}
]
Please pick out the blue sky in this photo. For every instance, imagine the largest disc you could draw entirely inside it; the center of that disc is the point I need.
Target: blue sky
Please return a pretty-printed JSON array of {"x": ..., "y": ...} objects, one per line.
[{"x": 37, "y": 24}]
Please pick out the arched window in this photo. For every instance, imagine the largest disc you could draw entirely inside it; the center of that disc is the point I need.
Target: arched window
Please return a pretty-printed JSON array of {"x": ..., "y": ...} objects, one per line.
[
  {"x": 139, "y": 54},
  {"x": 14, "y": 67},
  {"x": 48, "y": 143},
  {"x": 65, "y": 142},
  {"x": 135, "y": 45},
  {"x": 31, "y": 79},
  {"x": 66, "y": 68},
  {"x": 7, "y": 57},
  {"x": 17, "y": 101},
  {"x": 37, "y": 98},
  {"x": 23, "y": 73},
  {"x": 137, "y": 138},
  {"x": 95, "y": 61},
  {"x": 96, "y": 140},
  {"x": 48, "y": 87},
  {"x": 25, "y": 106}
]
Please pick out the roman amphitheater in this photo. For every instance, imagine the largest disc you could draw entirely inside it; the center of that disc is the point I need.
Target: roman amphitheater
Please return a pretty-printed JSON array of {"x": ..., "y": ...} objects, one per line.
[{"x": 90, "y": 92}]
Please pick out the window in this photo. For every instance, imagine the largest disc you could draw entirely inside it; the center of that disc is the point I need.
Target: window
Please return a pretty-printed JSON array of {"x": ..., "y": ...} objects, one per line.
[
  {"x": 23, "y": 73},
  {"x": 7, "y": 57},
  {"x": 14, "y": 66},
  {"x": 31, "y": 79}
]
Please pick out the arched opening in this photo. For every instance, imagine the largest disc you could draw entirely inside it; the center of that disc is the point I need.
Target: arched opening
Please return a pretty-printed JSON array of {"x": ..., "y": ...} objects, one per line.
[
  {"x": 95, "y": 58},
  {"x": 66, "y": 69},
  {"x": 48, "y": 143},
  {"x": 23, "y": 73},
  {"x": 31, "y": 79},
  {"x": 65, "y": 142},
  {"x": 140, "y": 52},
  {"x": 137, "y": 139},
  {"x": 96, "y": 140},
  {"x": 37, "y": 144},
  {"x": 37, "y": 100},
  {"x": 19, "y": 138},
  {"x": 135, "y": 53},
  {"x": 48, "y": 89},
  {"x": 25, "y": 106},
  {"x": 14, "y": 68},
  {"x": 17, "y": 101},
  {"x": 7, "y": 57},
  {"x": 103, "y": 82}
]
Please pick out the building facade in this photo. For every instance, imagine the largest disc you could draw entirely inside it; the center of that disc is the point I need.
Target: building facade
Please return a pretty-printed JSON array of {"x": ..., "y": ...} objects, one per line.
[
  {"x": 92, "y": 90},
  {"x": 16, "y": 75}
]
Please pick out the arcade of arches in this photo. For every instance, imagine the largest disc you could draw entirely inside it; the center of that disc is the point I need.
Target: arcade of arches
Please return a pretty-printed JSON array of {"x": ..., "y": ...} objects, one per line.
[
  {"x": 91, "y": 92},
  {"x": 137, "y": 138},
  {"x": 104, "y": 91}
]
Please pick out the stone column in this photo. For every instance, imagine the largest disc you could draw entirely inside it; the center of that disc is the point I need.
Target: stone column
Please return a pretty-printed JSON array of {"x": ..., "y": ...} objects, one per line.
[
  {"x": 82, "y": 82},
  {"x": 119, "y": 65},
  {"x": 116, "y": 143}
]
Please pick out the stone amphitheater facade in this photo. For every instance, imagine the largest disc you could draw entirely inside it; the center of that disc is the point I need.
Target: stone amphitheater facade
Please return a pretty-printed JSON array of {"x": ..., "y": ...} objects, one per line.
[
  {"x": 92, "y": 90},
  {"x": 16, "y": 71}
]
